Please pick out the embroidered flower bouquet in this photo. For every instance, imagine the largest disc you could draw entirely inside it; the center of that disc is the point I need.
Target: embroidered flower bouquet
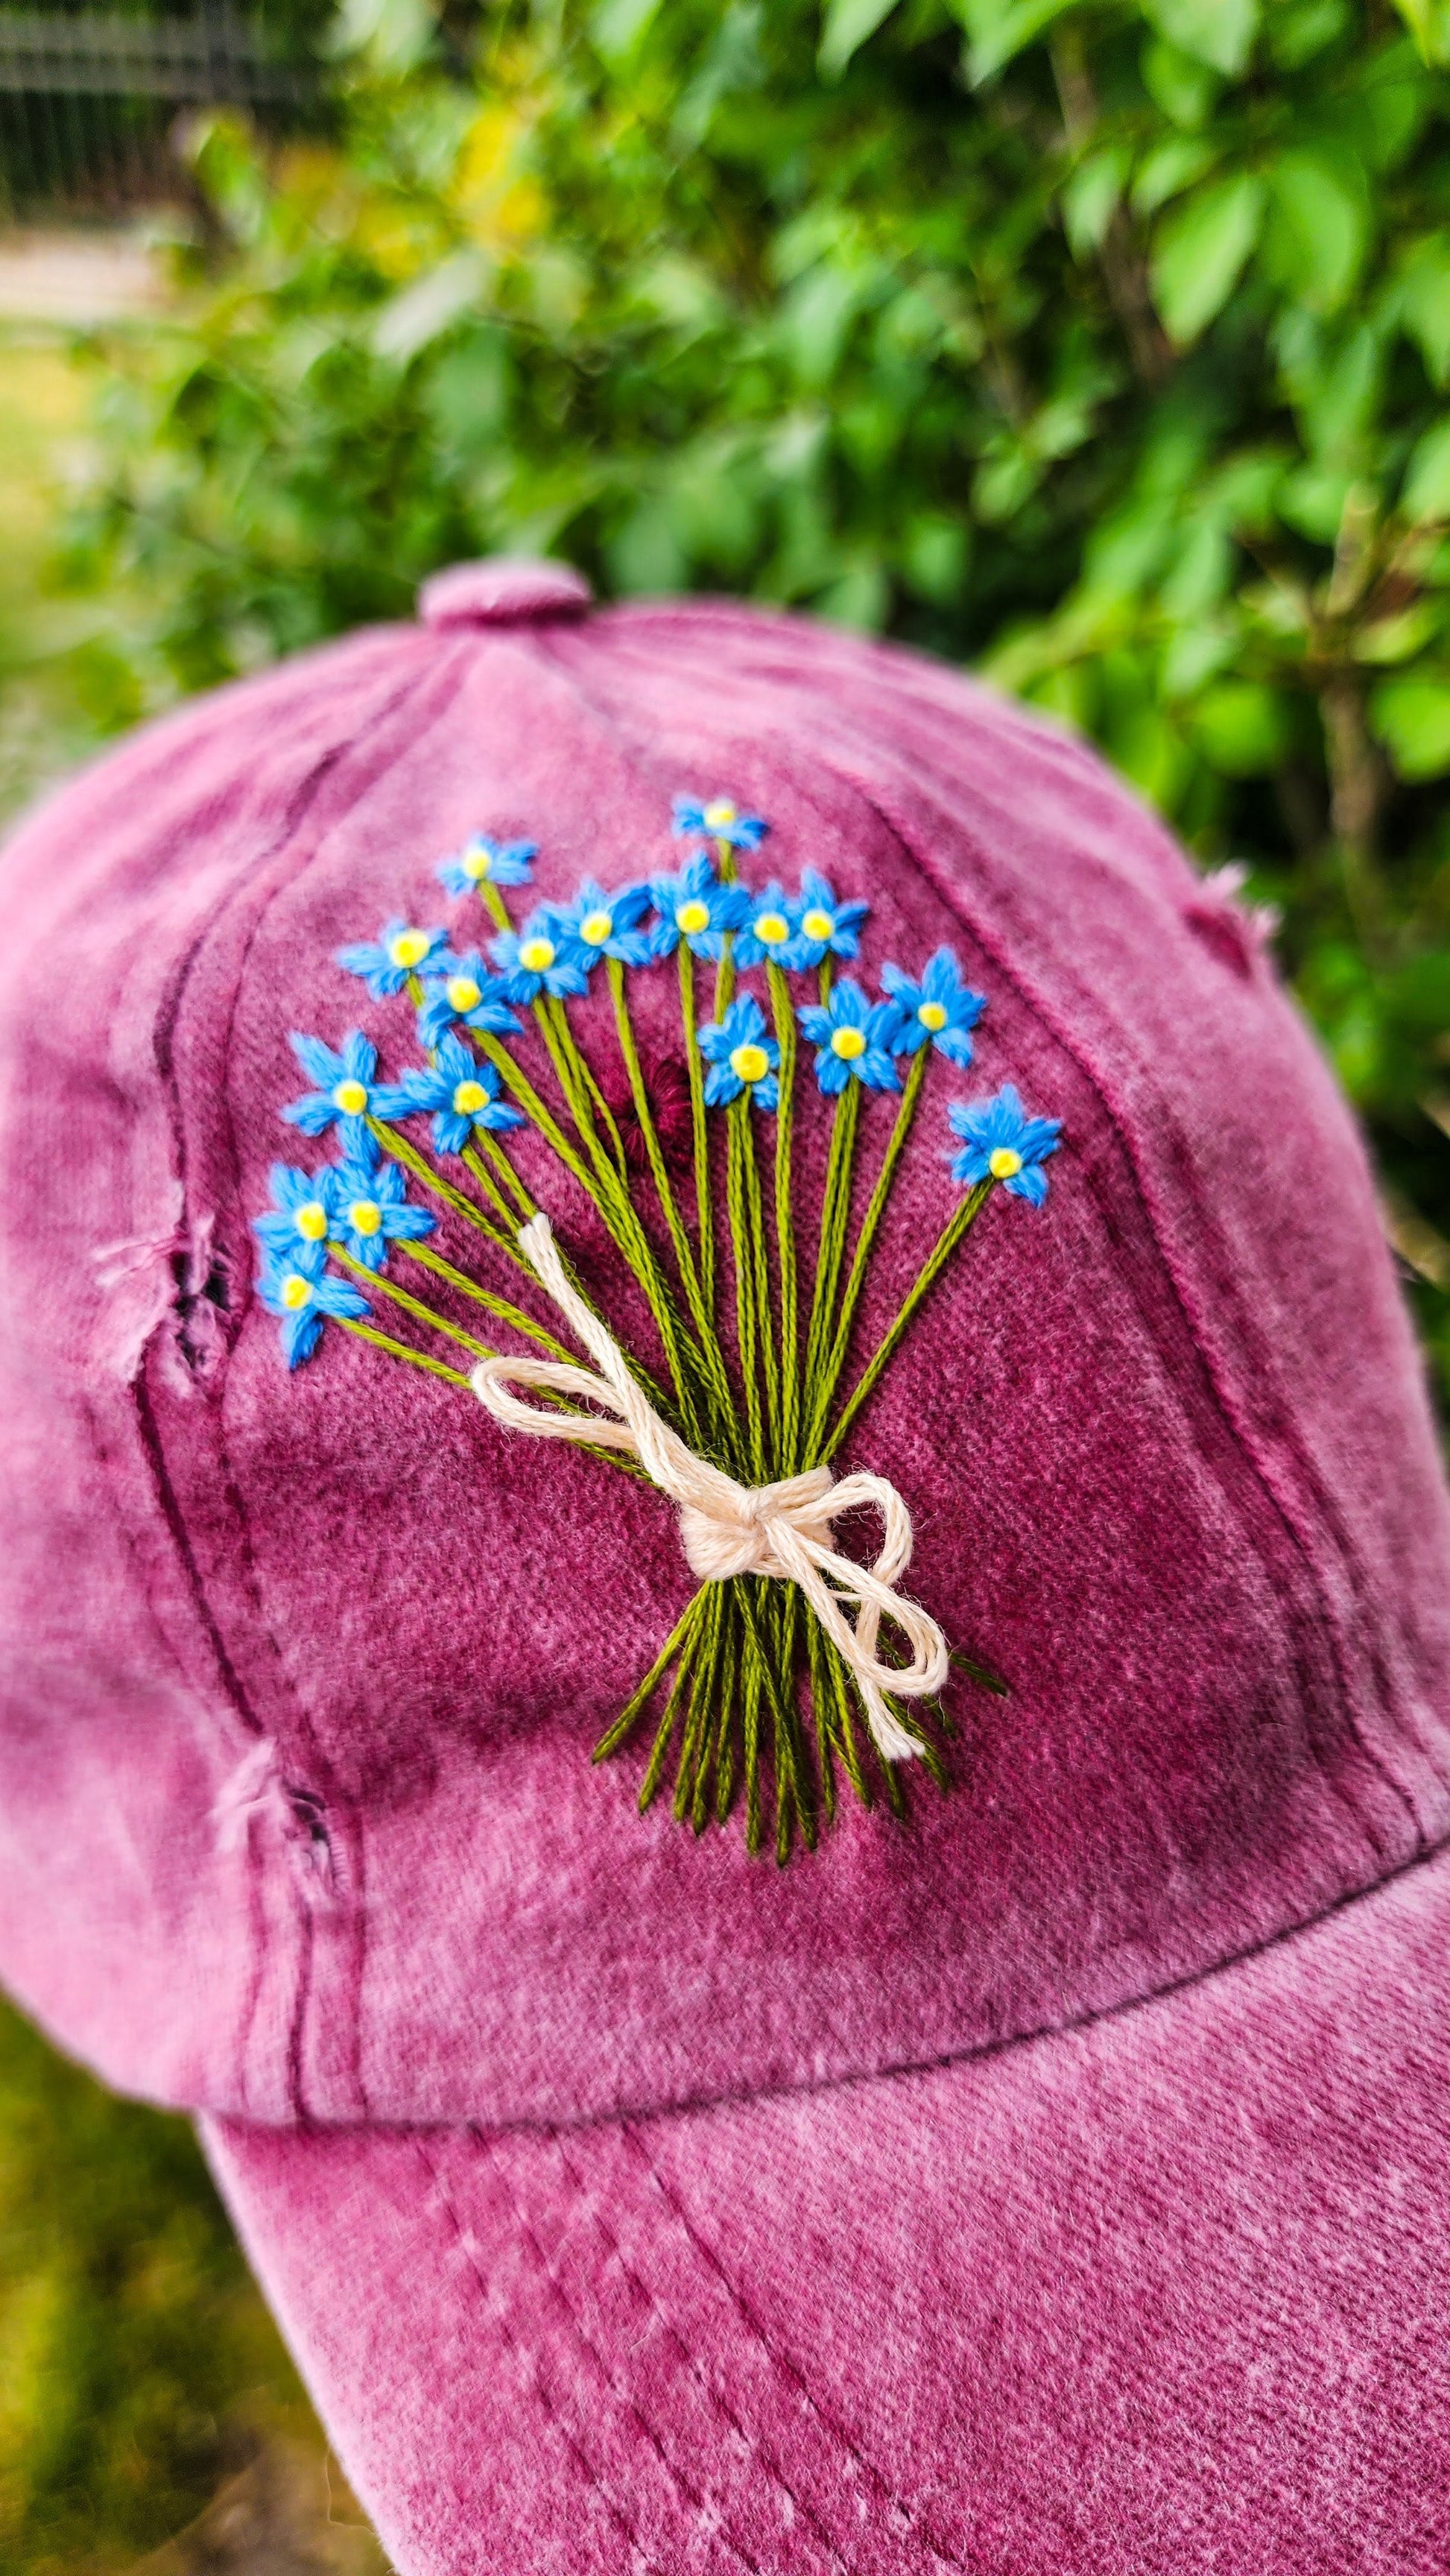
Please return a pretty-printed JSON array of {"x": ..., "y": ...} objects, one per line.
[{"x": 792, "y": 1657}]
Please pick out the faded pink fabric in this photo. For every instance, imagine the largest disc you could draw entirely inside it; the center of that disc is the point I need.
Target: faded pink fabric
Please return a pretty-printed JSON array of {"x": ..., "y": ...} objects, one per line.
[{"x": 297, "y": 1822}]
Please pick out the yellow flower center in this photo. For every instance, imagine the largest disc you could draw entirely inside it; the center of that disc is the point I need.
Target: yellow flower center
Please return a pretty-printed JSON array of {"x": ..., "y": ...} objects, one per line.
[
  {"x": 296, "y": 1291},
  {"x": 536, "y": 956},
  {"x": 749, "y": 1063},
  {"x": 463, "y": 993},
  {"x": 719, "y": 815},
  {"x": 692, "y": 917},
  {"x": 771, "y": 929},
  {"x": 932, "y": 1015},
  {"x": 819, "y": 925},
  {"x": 848, "y": 1044},
  {"x": 595, "y": 928},
  {"x": 469, "y": 1097},
  {"x": 1004, "y": 1163},
  {"x": 351, "y": 1098},
  {"x": 311, "y": 1220},
  {"x": 476, "y": 865},
  {"x": 409, "y": 948},
  {"x": 365, "y": 1216}
]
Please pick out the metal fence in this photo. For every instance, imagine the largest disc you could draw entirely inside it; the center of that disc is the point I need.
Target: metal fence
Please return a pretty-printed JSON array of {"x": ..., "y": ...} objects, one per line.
[{"x": 89, "y": 98}]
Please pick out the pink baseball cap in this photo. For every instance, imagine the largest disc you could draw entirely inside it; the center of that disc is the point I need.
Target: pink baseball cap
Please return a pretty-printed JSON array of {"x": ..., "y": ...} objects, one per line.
[{"x": 1054, "y": 2176}]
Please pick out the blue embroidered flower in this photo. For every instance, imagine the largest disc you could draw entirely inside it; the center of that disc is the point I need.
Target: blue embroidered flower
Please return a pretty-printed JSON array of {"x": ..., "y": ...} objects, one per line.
[
  {"x": 346, "y": 1093},
  {"x": 603, "y": 925},
  {"x": 823, "y": 926},
  {"x": 485, "y": 862},
  {"x": 385, "y": 963},
  {"x": 302, "y": 1209},
  {"x": 372, "y": 1211},
  {"x": 462, "y": 1091},
  {"x": 768, "y": 931},
  {"x": 296, "y": 1287},
  {"x": 852, "y": 1038},
  {"x": 696, "y": 907},
  {"x": 939, "y": 1011},
  {"x": 1003, "y": 1144},
  {"x": 720, "y": 820},
  {"x": 540, "y": 958},
  {"x": 464, "y": 990},
  {"x": 741, "y": 1056}
]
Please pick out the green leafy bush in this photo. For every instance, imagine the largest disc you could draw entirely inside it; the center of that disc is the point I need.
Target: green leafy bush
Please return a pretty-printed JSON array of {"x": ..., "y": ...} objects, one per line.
[{"x": 1102, "y": 344}]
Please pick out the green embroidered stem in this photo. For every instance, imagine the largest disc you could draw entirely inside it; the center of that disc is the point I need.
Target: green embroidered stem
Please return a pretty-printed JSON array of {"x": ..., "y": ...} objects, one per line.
[
  {"x": 602, "y": 1188},
  {"x": 785, "y": 1033},
  {"x": 703, "y": 1675},
  {"x": 699, "y": 1131},
  {"x": 760, "y": 1280},
  {"x": 719, "y": 1755},
  {"x": 584, "y": 1090},
  {"x": 649, "y": 1785},
  {"x": 500, "y": 1307},
  {"x": 374, "y": 1280},
  {"x": 644, "y": 1691},
  {"x": 522, "y": 1197},
  {"x": 830, "y": 1249},
  {"x": 688, "y": 1364},
  {"x": 870, "y": 1222},
  {"x": 401, "y": 1350},
  {"x": 689, "y": 1277},
  {"x": 418, "y": 1164},
  {"x": 737, "y": 1146},
  {"x": 494, "y": 905},
  {"x": 723, "y": 1751},
  {"x": 946, "y": 1244}
]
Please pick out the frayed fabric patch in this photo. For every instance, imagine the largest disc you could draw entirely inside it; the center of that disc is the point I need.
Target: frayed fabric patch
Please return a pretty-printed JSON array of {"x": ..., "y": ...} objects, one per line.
[{"x": 792, "y": 1658}]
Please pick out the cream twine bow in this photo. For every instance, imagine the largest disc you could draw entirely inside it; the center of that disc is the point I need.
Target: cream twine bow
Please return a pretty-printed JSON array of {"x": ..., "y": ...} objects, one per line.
[{"x": 782, "y": 1530}]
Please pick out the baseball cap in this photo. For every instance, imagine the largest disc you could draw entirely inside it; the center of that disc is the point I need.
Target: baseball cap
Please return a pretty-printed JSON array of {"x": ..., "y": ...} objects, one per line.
[{"x": 999, "y": 2125}]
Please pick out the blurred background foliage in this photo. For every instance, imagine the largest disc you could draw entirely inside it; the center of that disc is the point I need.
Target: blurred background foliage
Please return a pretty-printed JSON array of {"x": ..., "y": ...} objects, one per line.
[
  {"x": 138, "y": 2368},
  {"x": 1102, "y": 345}
]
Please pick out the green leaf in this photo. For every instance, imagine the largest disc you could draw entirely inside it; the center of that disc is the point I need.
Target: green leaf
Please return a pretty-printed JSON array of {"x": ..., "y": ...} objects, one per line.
[
  {"x": 616, "y": 26},
  {"x": 1427, "y": 484},
  {"x": 1320, "y": 229},
  {"x": 1090, "y": 198},
  {"x": 1201, "y": 252},
  {"x": 845, "y": 28},
  {"x": 1425, "y": 302},
  {"x": 1412, "y": 719},
  {"x": 1001, "y": 29},
  {"x": 1242, "y": 728},
  {"x": 1220, "y": 32},
  {"x": 1183, "y": 87},
  {"x": 1170, "y": 168},
  {"x": 1429, "y": 23},
  {"x": 1297, "y": 30},
  {"x": 429, "y": 306}
]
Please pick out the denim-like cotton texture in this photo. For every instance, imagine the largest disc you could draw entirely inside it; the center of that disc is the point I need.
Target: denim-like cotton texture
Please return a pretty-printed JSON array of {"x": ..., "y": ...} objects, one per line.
[{"x": 297, "y": 1822}]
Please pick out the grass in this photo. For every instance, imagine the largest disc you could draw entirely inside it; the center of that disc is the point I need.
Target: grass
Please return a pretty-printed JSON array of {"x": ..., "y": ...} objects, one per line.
[{"x": 141, "y": 2368}]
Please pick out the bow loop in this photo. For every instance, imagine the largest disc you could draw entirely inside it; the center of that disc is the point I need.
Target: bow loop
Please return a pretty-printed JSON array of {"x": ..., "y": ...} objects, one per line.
[{"x": 785, "y": 1531}]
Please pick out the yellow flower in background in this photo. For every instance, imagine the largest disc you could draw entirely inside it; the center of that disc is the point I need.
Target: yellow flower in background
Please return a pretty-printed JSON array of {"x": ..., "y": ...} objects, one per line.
[
  {"x": 502, "y": 208},
  {"x": 398, "y": 237}
]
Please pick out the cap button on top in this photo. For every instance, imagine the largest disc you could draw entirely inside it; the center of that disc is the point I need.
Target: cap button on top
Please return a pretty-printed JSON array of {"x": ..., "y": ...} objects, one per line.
[{"x": 503, "y": 591}]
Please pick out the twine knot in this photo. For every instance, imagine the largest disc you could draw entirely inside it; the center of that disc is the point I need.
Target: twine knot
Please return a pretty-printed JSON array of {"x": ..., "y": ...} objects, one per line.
[{"x": 784, "y": 1531}]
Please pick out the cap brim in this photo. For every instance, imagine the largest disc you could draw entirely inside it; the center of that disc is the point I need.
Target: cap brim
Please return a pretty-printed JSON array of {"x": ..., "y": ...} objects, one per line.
[{"x": 1168, "y": 2291}]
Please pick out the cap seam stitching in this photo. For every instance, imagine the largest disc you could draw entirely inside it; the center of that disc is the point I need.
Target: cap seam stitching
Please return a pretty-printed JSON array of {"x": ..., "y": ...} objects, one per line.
[
  {"x": 493, "y": 2306},
  {"x": 695, "y": 2366}
]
